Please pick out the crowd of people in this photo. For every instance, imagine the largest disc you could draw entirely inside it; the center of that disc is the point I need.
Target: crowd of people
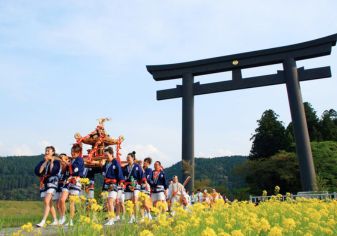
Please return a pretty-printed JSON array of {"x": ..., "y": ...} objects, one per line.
[{"x": 60, "y": 178}]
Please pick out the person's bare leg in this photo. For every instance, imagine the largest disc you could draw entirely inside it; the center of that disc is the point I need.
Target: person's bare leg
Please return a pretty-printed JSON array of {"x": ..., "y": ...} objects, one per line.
[
  {"x": 72, "y": 209},
  {"x": 53, "y": 212},
  {"x": 46, "y": 202},
  {"x": 62, "y": 205}
]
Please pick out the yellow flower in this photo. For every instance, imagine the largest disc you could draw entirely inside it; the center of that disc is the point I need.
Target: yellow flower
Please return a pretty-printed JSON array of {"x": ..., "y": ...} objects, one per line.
[
  {"x": 223, "y": 234},
  {"x": 84, "y": 219},
  {"x": 210, "y": 220},
  {"x": 146, "y": 232},
  {"x": 92, "y": 201},
  {"x": 162, "y": 220},
  {"x": 208, "y": 232},
  {"x": 96, "y": 207},
  {"x": 27, "y": 227},
  {"x": 111, "y": 214},
  {"x": 17, "y": 233},
  {"x": 74, "y": 198},
  {"x": 237, "y": 233},
  {"x": 194, "y": 221},
  {"x": 275, "y": 231},
  {"x": 129, "y": 207},
  {"x": 161, "y": 206},
  {"x": 264, "y": 225},
  {"x": 97, "y": 227},
  {"x": 84, "y": 181},
  {"x": 264, "y": 193},
  {"x": 104, "y": 195},
  {"x": 277, "y": 189},
  {"x": 180, "y": 227},
  {"x": 83, "y": 198},
  {"x": 228, "y": 226},
  {"x": 154, "y": 210},
  {"x": 289, "y": 224},
  {"x": 313, "y": 226}
]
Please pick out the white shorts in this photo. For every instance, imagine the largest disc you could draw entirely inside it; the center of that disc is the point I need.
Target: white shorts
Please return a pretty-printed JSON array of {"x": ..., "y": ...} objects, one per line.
[
  {"x": 56, "y": 196},
  {"x": 158, "y": 197},
  {"x": 71, "y": 192},
  {"x": 112, "y": 194},
  {"x": 121, "y": 196},
  {"x": 49, "y": 190},
  {"x": 91, "y": 194},
  {"x": 175, "y": 199},
  {"x": 129, "y": 195}
]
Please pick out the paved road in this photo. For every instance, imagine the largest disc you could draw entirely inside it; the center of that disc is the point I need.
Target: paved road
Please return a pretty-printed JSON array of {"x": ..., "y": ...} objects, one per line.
[{"x": 50, "y": 230}]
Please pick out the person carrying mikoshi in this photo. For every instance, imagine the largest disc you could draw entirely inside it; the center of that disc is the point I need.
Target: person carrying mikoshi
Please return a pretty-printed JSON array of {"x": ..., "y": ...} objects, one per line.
[
  {"x": 158, "y": 184},
  {"x": 176, "y": 191},
  {"x": 146, "y": 202},
  {"x": 113, "y": 179},
  {"x": 48, "y": 170},
  {"x": 63, "y": 176},
  {"x": 73, "y": 184},
  {"x": 134, "y": 177}
]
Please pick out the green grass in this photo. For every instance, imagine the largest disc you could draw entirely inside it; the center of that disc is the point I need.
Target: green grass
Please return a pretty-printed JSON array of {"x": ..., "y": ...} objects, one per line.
[{"x": 17, "y": 213}]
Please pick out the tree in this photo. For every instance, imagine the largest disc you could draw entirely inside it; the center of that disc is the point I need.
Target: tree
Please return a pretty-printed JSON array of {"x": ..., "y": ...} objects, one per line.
[
  {"x": 270, "y": 136},
  {"x": 328, "y": 125},
  {"x": 312, "y": 123},
  {"x": 280, "y": 169}
]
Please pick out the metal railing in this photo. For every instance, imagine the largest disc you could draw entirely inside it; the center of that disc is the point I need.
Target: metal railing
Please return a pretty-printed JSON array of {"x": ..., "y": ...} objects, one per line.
[{"x": 317, "y": 195}]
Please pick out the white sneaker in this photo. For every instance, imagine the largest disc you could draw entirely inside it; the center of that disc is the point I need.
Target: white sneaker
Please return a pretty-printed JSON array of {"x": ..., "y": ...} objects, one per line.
[
  {"x": 117, "y": 219},
  {"x": 70, "y": 223},
  {"x": 41, "y": 224},
  {"x": 132, "y": 220},
  {"x": 62, "y": 220},
  {"x": 55, "y": 222},
  {"x": 149, "y": 216},
  {"x": 109, "y": 223}
]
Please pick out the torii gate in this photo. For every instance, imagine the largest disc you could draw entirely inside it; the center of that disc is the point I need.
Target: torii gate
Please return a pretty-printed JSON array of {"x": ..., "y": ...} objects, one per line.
[{"x": 290, "y": 75}]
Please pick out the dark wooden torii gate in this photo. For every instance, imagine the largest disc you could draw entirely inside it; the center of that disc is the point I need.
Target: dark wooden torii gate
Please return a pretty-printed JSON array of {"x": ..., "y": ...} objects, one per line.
[{"x": 290, "y": 75}]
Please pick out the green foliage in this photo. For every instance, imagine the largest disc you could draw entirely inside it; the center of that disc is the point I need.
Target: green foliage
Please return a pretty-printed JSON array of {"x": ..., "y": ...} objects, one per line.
[
  {"x": 328, "y": 125},
  {"x": 17, "y": 178},
  {"x": 325, "y": 160},
  {"x": 282, "y": 169},
  {"x": 264, "y": 174},
  {"x": 270, "y": 136},
  {"x": 16, "y": 213}
]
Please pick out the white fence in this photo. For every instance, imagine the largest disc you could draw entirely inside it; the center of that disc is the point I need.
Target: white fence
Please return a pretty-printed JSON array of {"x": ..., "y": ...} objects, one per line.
[{"x": 318, "y": 195}]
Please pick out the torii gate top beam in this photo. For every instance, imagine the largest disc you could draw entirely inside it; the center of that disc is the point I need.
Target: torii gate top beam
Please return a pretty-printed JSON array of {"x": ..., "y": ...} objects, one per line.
[{"x": 306, "y": 50}]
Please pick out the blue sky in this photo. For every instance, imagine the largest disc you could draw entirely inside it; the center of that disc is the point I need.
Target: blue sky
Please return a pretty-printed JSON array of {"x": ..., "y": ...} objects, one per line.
[{"x": 63, "y": 64}]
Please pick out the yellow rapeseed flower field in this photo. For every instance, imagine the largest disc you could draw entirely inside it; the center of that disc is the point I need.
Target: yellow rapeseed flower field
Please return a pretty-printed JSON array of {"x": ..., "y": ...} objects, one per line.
[{"x": 272, "y": 217}]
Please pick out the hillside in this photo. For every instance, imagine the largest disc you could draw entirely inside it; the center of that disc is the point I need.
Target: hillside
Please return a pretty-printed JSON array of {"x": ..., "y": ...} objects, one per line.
[
  {"x": 220, "y": 171},
  {"x": 17, "y": 179}
]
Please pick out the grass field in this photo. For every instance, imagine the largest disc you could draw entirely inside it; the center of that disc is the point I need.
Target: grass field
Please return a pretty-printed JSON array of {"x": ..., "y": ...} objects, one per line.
[{"x": 17, "y": 213}]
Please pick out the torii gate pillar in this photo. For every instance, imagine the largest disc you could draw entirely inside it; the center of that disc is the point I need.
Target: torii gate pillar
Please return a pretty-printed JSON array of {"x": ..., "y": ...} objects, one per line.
[
  {"x": 303, "y": 149},
  {"x": 188, "y": 130}
]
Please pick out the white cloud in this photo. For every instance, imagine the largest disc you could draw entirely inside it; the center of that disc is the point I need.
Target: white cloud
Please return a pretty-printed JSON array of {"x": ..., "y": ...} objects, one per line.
[
  {"x": 43, "y": 143},
  {"x": 22, "y": 150},
  {"x": 146, "y": 150}
]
